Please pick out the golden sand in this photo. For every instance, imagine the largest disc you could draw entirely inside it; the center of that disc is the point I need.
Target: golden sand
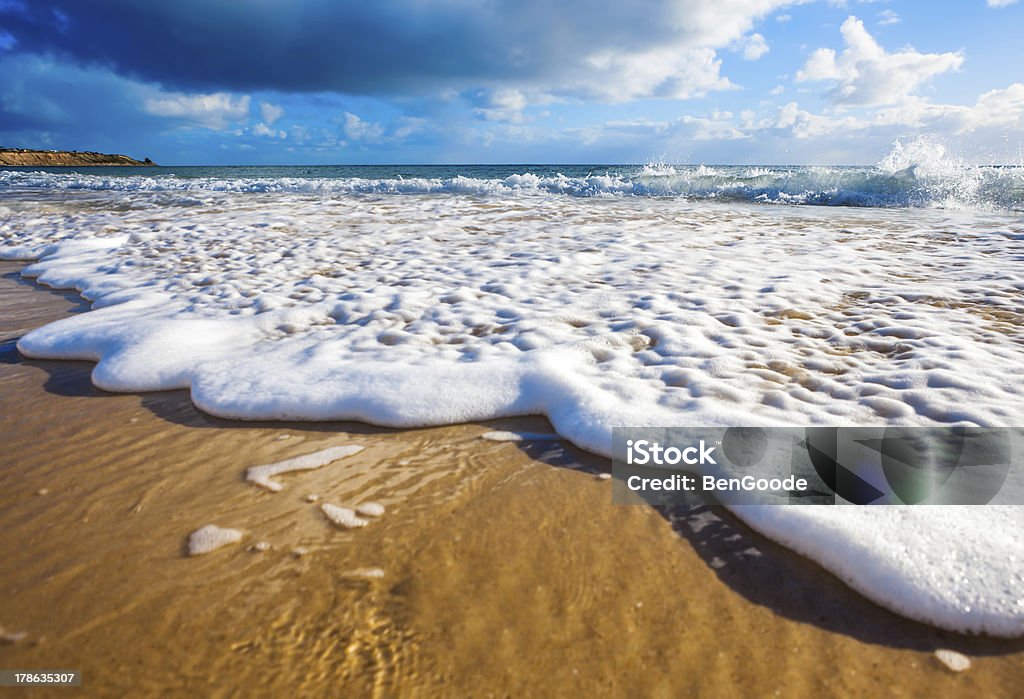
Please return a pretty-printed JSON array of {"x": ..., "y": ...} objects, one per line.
[{"x": 498, "y": 569}]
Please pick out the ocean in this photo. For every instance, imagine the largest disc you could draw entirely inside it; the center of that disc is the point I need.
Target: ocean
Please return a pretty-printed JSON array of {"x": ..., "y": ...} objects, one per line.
[
  {"x": 595, "y": 295},
  {"x": 897, "y": 182}
]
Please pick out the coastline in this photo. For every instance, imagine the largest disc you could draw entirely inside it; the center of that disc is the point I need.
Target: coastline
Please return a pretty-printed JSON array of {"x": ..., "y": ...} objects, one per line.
[
  {"x": 491, "y": 552},
  {"x": 27, "y": 157}
]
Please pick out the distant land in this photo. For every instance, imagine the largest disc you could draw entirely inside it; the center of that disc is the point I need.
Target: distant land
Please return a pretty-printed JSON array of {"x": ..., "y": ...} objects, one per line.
[{"x": 59, "y": 158}]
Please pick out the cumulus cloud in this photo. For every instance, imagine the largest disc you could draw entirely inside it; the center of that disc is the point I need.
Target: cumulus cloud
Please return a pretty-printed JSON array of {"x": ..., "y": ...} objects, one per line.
[
  {"x": 504, "y": 104},
  {"x": 592, "y": 49},
  {"x": 865, "y": 74},
  {"x": 994, "y": 111},
  {"x": 270, "y": 112},
  {"x": 803, "y": 124},
  {"x": 718, "y": 126},
  {"x": 214, "y": 111},
  {"x": 263, "y": 129},
  {"x": 355, "y": 129},
  {"x": 619, "y": 76},
  {"x": 754, "y": 46},
  {"x": 1001, "y": 109}
]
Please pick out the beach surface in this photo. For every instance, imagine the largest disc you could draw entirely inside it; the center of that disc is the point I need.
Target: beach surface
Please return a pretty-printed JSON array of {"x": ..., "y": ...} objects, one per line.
[{"x": 497, "y": 569}]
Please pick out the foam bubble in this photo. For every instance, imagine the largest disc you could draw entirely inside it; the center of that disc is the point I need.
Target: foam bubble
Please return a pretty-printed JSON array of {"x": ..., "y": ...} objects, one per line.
[
  {"x": 366, "y": 573},
  {"x": 506, "y": 436},
  {"x": 438, "y": 309},
  {"x": 343, "y": 516},
  {"x": 210, "y": 538},
  {"x": 370, "y": 509},
  {"x": 957, "y": 662},
  {"x": 263, "y": 475},
  {"x": 917, "y": 173}
]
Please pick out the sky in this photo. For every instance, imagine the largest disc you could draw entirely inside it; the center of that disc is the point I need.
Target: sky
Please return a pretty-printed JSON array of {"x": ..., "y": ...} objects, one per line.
[{"x": 514, "y": 81}]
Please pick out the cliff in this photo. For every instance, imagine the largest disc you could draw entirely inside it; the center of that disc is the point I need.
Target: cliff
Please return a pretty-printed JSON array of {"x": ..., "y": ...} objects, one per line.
[{"x": 55, "y": 158}]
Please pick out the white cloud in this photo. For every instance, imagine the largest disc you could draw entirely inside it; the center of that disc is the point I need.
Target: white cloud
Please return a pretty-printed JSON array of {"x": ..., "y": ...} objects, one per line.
[
  {"x": 406, "y": 126},
  {"x": 355, "y": 129},
  {"x": 783, "y": 18},
  {"x": 620, "y": 76},
  {"x": 1000, "y": 3},
  {"x": 670, "y": 53},
  {"x": 262, "y": 129},
  {"x": 754, "y": 46},
  {"x": 888, "y": 17},
  {"x": 503, "y": 104},
  {"x": 717, "y": 127},
  {"x": 864, "y": 74},
  {"x": 803, "y": 124},
  {"x": 213, "y": 111},
  {"x": 270, "y": 112},
  {"x": 994, "y": 111}
]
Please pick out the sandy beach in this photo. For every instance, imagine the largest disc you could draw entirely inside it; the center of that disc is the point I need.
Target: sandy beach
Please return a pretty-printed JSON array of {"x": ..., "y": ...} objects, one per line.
[
  {"x": 498, "y": 569},
  {"x": 511, "y": 349}
]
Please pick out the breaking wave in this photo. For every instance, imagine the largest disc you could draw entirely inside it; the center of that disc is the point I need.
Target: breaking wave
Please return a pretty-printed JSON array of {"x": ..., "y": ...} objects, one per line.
[{"x": 915, "y": 175}]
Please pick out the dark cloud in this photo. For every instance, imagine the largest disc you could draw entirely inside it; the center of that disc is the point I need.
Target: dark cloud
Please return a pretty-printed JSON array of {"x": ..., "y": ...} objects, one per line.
[{"x": 400, "y": 46}]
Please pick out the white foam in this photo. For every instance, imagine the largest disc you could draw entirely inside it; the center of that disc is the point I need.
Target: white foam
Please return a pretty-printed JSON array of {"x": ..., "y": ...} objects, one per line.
[
  {"x": 506, "y": 436},
  {"x": 918, "y": 173},
  {"x": 367, "y": 573},
  {"x": 210, "y": 538},
  {"x": 957, "y": 662},
  {"x": 12, "y": 637},
  {"x": 343, "y": 516},
  {"x": 370, "y": 509},
  {"x": 439, "y": 309},
  {"x": 263, "y": 476}
]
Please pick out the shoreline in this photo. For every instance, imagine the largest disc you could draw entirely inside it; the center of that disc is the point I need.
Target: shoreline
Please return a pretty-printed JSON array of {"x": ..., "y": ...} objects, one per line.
[{"x": 489, "y": 551}]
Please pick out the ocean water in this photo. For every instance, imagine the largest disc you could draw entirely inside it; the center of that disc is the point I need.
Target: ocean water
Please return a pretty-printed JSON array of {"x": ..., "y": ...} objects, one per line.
[
  {"x": 594, "y": 295},
  {"x": 917, "y": 177}
]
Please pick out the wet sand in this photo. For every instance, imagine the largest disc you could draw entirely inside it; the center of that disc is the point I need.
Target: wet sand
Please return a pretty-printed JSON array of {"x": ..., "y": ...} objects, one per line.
[{"x": 507, "y": 571}]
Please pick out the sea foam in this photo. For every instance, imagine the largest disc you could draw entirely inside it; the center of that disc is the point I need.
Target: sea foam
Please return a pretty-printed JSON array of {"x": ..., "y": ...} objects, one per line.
[
  {"x": 263, "y": 475},
  {"x": 437, "y": 308}
]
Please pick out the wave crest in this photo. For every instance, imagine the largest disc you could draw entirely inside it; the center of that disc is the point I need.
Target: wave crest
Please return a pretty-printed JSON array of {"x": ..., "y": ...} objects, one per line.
[{"x": 915, "y": 175}]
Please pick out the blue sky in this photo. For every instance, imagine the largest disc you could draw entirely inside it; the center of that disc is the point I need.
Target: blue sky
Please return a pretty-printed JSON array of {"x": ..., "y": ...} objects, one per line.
[{"x": 529, "y": 81}]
